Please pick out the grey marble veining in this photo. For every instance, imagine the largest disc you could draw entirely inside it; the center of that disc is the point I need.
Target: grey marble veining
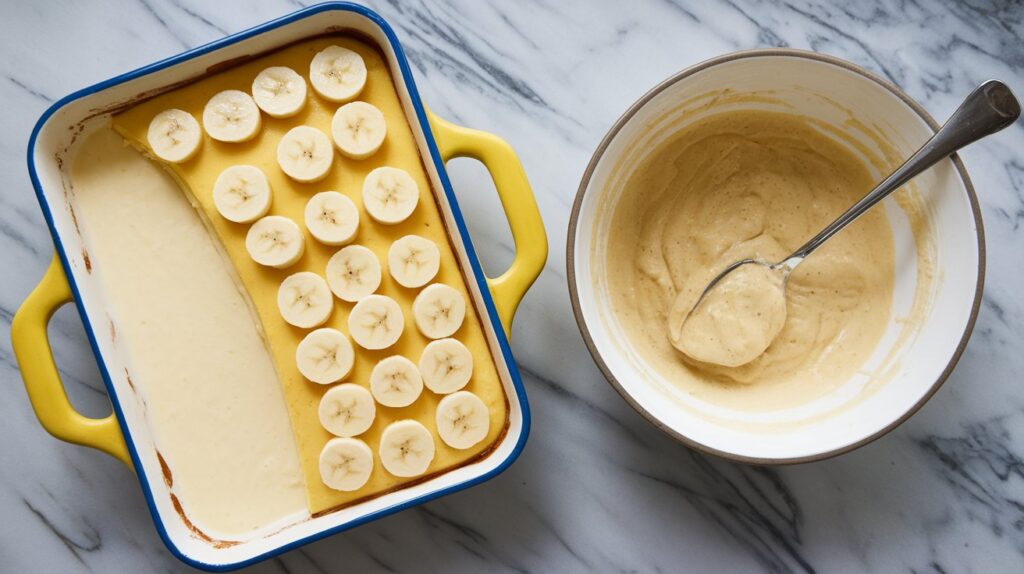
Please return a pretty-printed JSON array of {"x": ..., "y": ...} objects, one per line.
[{"x": 597, "y": 488}]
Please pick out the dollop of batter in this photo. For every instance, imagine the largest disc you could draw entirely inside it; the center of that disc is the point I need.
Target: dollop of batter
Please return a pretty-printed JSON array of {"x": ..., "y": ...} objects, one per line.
[
  {"x": 736, "y": 320},
  {"x": 750, "y": 184}
]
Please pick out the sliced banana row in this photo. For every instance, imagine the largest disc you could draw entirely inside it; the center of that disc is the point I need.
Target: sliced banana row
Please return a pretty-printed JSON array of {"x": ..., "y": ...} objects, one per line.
[
  {"x": 406, "y": 447},
  {"x": 353, "y": 273},
  {"x": 229, "y": 116},
  {"x": 325, "y": 356},
  {"x": 338, "y": 74},
  {"x": 445, "y": 366},
  {"x": 242, "y": 193},
  {"x": 234, "y": 116},
  {"x": 347, "y": 410},
  {"x": 174, "y": 136},
  {"x": 439, "y": 310}
]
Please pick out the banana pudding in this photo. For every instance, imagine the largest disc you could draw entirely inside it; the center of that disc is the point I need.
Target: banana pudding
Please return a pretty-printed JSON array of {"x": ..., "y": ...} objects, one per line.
[{"x": 362, "y": 355}]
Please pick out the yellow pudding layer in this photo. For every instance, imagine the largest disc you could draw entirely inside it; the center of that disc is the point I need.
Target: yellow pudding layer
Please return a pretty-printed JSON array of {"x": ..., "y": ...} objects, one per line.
[
  {"x": 289, "y": 200},
  {"x": 213, "y": 402},
  {"x": 752, "y": 184}
]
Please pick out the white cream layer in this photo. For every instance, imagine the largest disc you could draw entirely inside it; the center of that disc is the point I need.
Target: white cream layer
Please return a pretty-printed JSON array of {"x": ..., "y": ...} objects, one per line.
[{"x": 213, "y": 399}]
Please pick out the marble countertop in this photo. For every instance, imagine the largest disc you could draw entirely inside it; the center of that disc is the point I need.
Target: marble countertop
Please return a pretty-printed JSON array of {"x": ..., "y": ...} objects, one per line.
[{"x": 597, "y": 487}]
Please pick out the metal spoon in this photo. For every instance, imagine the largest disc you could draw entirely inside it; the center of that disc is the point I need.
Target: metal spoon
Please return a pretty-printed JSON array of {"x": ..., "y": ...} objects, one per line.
[{"x": 988, "y": 109}]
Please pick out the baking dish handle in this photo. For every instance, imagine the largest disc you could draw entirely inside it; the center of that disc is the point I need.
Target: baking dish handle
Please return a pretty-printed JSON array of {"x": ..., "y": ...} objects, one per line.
[
  {"x": 42, "y": 381},
  {"x": 516, "y": 198}
]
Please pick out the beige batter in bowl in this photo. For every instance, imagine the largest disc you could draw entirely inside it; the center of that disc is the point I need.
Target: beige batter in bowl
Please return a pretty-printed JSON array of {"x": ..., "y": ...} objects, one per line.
[{"x": 837, "y": 400}]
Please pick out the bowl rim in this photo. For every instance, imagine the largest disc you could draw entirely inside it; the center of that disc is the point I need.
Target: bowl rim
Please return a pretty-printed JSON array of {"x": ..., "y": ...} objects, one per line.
[{"x": 614, "y": 131}]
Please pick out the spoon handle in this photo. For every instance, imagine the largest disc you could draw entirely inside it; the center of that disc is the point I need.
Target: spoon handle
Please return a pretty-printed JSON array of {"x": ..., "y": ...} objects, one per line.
[{"x": 988, "y": 109}]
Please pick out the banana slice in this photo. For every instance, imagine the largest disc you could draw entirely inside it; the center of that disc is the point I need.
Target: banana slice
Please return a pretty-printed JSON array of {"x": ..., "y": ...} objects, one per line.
[
  {"x": 390, "y": 195},
  {"x": 325, "y": 356},
  {"x": 332, "y": 218},
  {"x": 345, "y": 464},
  {"x": 304, "y": 300},
  {"x": 231, "y": 116},
  {"x": 347, "y": 410},
  {"x": 395, "y": 382},
  {"x": 279, "y": 91},
  {"x": 242, "y": 193},
  {"x": 446, "y": 365},
  {"x": 413, "y": 261},
  {"x": 376, "y": 322},
  {"x": 174, "y": 136},
  {"x": 439, "y": 310},
  {"x": 353, "y": 273},
  {"x": 275, "y": 241},
  {"x": 358, "y": 129},
  {"x": 406, "y": 448},
  {"x": 337, "y": 73},
  {"x": 305, "y": 154},
  {"x": 462, "y": 420}
]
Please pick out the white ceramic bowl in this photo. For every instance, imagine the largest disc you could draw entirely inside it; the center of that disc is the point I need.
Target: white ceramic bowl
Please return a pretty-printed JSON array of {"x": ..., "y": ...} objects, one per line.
[{"x": 918, "y": 359}]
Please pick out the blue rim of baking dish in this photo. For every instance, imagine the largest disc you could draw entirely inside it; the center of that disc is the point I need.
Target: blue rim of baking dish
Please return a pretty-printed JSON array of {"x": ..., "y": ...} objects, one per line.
[{"x": 478, "y": 275}]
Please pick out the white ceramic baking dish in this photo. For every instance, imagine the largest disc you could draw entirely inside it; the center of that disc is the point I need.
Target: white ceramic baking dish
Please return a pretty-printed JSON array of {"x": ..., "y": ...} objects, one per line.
[{"x": 125, "y": 433}]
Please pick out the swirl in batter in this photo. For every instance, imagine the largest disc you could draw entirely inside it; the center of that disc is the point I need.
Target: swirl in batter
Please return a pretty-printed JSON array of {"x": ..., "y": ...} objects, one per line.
[{"x": 751, "y": 184}]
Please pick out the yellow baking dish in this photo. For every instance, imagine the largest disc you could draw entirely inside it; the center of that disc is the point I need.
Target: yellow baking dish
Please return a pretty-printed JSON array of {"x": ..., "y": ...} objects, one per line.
[{"x": 432, "y": 140}]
